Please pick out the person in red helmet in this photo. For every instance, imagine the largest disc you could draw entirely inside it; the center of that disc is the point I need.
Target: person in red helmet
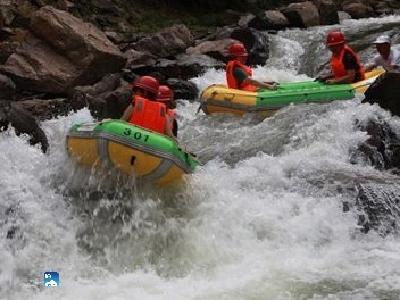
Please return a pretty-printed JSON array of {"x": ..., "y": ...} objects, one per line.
[
  {"x": 144, "y": 110},
  {"x": 238, "y": 75},
  {"x": 345, "y": 63},
  {"x": 166, "y": 95}
]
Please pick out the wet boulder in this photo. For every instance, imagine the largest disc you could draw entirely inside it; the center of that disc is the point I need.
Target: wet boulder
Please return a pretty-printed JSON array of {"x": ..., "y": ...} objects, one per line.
[
  {"x": 379, "y": 207},
  {"x": 382, "y": 149},
  {"x": 108, "y": 83},
  {"x": 49, "y": 108},
  {"x": 384, "y": 91},
  {"x": 302, "y": 14},
  {"x": 256, "y": 43},
  {"x": 269, "y": 20},
  {"x": 22, "y": 120},
  {"x": 183, "y": 89}
]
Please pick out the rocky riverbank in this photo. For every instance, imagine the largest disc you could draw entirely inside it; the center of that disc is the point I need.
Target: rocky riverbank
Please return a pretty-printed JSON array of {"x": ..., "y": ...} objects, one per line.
[{"x": 59, "y": 56}]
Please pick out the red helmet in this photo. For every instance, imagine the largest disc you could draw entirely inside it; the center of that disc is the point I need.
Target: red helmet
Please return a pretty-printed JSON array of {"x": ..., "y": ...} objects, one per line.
[
  {"x": 335, "y": 38},
  {"x": 147, "y": 83},
  {"x": 165, "y": 94},
  {"x": 237, "y": 50}
]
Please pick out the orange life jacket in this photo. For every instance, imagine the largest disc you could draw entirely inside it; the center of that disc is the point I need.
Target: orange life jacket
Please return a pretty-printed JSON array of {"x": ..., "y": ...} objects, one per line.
[
  {"x": 338, "y": 67},
  {"x": 231, "y": 81},
  {"x": 149, "y": 114}
]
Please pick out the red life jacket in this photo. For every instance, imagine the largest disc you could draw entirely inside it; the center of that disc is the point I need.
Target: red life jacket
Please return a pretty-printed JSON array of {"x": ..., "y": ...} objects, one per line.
[
  {"x": 149, "y": 114},
  {"x": 230, "y": 79},
  {"x": 338, "y": 67}
]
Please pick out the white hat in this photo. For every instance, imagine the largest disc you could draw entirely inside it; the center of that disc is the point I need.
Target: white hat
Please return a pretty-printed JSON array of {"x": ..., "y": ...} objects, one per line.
[{"x": 382, "y": 39}]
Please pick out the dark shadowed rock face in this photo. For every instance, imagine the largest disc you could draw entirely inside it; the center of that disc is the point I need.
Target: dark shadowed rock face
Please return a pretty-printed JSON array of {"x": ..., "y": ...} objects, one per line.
[
  {"x": 106, "y": 99},
  {"x": 382, "y": 149},
  {"x": 6, "y": 50},
  {"x": 302, "y": 14},
  {"x": 168, "y": 42},
  {"x": 385, "y": 91},
  {"x": 7, "y": 88},
  {"x": 22, "y": 120},
  {"x": 183, "y": 89},
  {"x": 269, "y": 20},
  {"x": 328, "y": 12},
  {"x": 379, "y": 207},
  {"x": 256, "y": 43},
  {"x": 49, "y": 108}
]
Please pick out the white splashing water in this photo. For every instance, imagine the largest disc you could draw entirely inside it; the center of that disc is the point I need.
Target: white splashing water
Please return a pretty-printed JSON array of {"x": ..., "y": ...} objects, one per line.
[{"x": 262, "y": 219}]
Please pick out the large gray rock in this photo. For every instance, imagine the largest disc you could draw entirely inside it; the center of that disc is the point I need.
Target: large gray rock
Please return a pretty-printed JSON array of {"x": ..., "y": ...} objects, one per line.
[
  {"x": 382, "y": 149},
  {"x": 168, "y": 42},
  {"x": 137, "y": 59},
  {"x": 216, "y": 49},
  {"x": 64, "y": 52},
  {"x": 302, "y": 14},
  {"x": 358, "y": 10},
  {"x": 269, "y": 20}
]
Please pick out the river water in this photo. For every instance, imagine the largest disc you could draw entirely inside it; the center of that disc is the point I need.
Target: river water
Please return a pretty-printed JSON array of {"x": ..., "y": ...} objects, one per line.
[{"x": 262, "y": 219}]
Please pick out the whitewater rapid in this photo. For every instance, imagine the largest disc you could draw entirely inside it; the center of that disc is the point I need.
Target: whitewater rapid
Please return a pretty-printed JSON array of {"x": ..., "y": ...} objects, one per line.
[{"x": 261, "y": 219}]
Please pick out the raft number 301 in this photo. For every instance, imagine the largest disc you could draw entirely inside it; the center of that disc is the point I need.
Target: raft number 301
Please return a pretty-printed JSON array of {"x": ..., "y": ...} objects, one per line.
[{"x": 136, "y": 135}]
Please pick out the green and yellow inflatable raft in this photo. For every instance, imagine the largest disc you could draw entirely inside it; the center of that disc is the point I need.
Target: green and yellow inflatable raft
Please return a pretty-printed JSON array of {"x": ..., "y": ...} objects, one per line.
[
  {"x": 147, "y": 155},
  {"x": 219, "y": 99}
]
